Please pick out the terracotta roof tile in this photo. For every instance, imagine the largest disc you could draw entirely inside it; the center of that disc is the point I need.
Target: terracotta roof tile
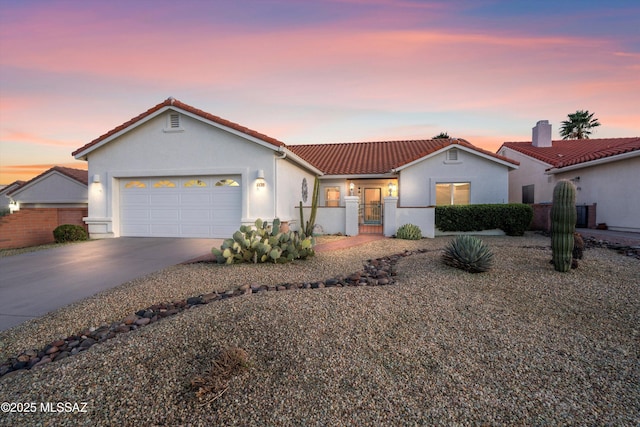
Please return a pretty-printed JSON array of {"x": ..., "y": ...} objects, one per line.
[
  {"x": 174, "y": 102},
  {"x": 79, "y": 175},
  {"x": 368, "y": 158},
  {"x": 564, "y": 153}
]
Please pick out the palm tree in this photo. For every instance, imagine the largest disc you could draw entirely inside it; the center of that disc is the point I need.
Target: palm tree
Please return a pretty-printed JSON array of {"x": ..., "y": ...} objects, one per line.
[
  {"x": 442, "y": 135},
  {"x": 579, "y": 125}
]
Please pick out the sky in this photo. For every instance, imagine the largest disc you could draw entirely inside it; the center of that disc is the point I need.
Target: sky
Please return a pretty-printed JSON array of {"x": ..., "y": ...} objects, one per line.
[{"x": 319, "y": 71}]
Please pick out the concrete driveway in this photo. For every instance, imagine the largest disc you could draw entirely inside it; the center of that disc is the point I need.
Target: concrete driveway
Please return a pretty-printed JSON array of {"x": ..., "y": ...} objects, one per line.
[{"x": 35, "y": 283}]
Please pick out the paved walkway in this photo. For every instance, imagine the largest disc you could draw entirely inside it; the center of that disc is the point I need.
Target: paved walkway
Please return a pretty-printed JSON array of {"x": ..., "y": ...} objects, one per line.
[
  {"x": 35, "y": 283},
  {"x": 347, "y": 242}
]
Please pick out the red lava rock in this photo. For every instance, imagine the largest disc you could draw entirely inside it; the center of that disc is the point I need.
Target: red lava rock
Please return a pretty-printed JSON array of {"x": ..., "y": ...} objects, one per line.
[
  {"x": 52, "y": 349},
  {"x": 143, "y": 321},
  {"x": 130, "y": 319}
]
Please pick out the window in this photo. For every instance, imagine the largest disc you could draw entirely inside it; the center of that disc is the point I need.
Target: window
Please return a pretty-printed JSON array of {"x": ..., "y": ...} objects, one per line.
[
  {"x": 332, "y": 196},
  {"x": 164, "y": 183},
  {"x": 527, "y": 194},
  {"x": 227, "y": 183},
  {"x": 453, "y": 193},
  {"x": 195, "y": 183}
]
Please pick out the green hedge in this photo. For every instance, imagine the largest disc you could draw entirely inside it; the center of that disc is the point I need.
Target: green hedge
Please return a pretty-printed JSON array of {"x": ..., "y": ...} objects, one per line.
[
  {"x": 513, "y": 218},
  {"x": 69, "y": 233}
]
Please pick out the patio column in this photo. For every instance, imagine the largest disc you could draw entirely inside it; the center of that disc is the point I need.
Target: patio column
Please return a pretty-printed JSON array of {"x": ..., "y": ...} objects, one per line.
[
  {"x": 351, "y": 212},
  {"x": 390, "y": 220}
]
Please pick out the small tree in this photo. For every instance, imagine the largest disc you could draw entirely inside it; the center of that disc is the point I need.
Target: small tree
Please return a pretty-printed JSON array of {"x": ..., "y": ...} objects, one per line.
[
  {"x": 442, "y": 135},
  {"x": 579, "y": 125}
]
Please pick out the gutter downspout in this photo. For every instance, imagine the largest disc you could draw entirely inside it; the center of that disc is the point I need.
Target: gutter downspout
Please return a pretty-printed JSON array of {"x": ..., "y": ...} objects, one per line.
[{"x": 280, "y": 155}]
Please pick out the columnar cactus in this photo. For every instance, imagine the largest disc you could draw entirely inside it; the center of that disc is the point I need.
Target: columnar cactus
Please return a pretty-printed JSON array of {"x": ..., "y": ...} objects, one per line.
[{"x": 563, "y": 224}]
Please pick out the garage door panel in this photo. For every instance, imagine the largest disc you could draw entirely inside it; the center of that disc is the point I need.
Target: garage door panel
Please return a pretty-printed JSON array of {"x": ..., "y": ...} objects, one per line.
[
  {"x": 165, "y": 215},
  {"x": 165, "y": 230},
  {"x": 196, "y": 199},
  {"x": 193, "y": 215},
  {"x": 180, "y": 207},
  {"x": 161, "y": 200}
]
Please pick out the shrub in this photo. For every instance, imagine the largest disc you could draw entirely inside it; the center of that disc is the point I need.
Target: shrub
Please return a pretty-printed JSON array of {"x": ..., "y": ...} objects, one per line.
[
  {"x": 513, "y": 218},
  {"x": 468, "y": 253},
  {"x": 69, "y": 233},
  {"x": 409, "y": 232},
  {"x": 4, "y": 212},
  {"x": 262, "y": 244}
]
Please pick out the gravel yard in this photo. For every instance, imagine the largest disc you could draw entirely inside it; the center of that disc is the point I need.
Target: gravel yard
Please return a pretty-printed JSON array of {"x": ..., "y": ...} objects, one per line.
[{"x": 518, "y": 345}]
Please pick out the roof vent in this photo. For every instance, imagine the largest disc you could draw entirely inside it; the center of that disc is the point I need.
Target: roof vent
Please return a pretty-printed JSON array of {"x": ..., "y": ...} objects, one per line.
[
  {"x": 174, "y": 121},
  {"x": 541, "y": 134}
]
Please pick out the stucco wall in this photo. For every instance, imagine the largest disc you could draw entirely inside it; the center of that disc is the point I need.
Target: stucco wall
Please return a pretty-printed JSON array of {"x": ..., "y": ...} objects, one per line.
[
  {"x": 530, "y": 172},
  {"x": 55, "y": 188},
  {"x": 489, "y": 180},
  {"x": 288, "y": 193},
  {"x": 200, "y": 149},
  {"x": 611, "y": 186}
]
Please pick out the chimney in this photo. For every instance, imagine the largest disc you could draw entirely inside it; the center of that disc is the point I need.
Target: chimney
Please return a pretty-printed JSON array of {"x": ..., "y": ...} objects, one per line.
[{"x": 541, "y": 134}]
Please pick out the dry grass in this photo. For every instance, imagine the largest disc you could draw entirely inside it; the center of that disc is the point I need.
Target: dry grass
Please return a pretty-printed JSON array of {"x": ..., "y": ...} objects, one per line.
[{"x": 213, "y": 383}]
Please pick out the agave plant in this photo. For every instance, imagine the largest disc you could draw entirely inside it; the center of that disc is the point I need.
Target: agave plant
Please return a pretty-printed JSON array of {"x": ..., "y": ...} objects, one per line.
[
  {"x": 468, "y": 253},
  {"x": 409, "y": 232}
]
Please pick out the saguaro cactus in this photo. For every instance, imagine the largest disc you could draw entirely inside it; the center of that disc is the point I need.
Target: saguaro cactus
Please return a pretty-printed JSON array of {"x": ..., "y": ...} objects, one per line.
[{"x": 563, "y": 224}]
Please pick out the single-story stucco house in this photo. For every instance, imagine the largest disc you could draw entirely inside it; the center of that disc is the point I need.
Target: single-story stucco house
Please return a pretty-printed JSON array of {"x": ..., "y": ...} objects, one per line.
[
  {"x": 175, "y": 170},
  {"x": 55, "y": 197},
  {"x": 603, "y": 170}
]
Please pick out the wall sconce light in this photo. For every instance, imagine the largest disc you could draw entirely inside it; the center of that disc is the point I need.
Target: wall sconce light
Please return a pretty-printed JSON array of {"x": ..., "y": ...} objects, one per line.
[
  {"x": 351, "y": 187},
  {"x": 392, "y": 188},
  {"x": 95, "y": 179},
  {"x": 260, "y": 183}
]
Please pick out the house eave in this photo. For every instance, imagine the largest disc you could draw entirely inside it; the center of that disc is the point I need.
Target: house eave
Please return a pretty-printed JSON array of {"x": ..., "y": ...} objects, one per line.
[
  {"x": 362, "y": 176},
  {"x": 300, "y": 161},
  {"x": 604, "y": 160},
  {"x": 459, "y": 147},
  {"x": 83, "y": 154}
]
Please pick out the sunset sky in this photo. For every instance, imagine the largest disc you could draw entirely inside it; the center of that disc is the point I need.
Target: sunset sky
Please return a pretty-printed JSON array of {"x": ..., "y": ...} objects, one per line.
[{"x": 313, "y": 71}]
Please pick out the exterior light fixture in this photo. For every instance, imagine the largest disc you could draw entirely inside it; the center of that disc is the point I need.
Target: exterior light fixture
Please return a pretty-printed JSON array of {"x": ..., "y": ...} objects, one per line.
[
  {"x": 351, "y": 187},
  {"x": 95, "y": 179},
  {"x": 260, "y": 183},
  {"x": 392, "y": 188}
]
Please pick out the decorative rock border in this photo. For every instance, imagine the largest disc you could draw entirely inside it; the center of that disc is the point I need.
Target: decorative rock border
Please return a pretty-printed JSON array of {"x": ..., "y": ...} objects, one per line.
[
  {"x": 592, "y": 242},
  {"x": 376, "y": 272}
]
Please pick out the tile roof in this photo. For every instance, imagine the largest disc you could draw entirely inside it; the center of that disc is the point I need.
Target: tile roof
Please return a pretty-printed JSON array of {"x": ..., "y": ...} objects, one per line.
[
  {"x": 369, "y": 158},
  {"x": 175, "y": 103},
  {"x": 80, "y": 175},
  {"x": 572, "y": 152},
  {"x": 10, "y": 187}
]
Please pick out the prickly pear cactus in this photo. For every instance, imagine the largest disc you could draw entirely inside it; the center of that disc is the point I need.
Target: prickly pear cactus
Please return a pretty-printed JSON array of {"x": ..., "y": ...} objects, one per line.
[
  {"x": 263, "y": 243},
  {"x": 563, "y": 224}
]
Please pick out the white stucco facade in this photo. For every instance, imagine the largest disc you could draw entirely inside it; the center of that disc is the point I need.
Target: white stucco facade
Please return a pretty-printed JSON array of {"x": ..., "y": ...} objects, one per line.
[
  {"x": 607, "y": 182},
  {"x": 530, "y": 172},
  {"x": 488, "y": 177},
  {"x": 197, "y": 148},
  {"x": 612, "y": 186},
  {"x": 53, "y": 189}
]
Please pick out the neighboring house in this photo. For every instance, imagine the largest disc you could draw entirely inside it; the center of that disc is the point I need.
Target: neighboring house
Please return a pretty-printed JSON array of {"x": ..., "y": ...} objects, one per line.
[
  {"x": 5, "y": 200},
  {"x": 603, "y": 170},
  {"x": 175, "y": 170},
  {"x": 55, "y": 197}
]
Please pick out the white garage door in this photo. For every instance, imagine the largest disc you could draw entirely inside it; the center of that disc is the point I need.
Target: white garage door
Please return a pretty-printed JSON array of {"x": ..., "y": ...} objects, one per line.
[{"x": 193, "y": 206}]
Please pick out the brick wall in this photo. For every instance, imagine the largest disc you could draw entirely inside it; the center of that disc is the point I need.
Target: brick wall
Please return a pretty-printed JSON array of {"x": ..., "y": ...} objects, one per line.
[{"x": 31, "y": 227}]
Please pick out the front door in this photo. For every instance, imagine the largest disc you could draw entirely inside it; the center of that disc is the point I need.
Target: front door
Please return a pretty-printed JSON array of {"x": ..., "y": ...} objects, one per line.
[{"x": 372, "y": 213}]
